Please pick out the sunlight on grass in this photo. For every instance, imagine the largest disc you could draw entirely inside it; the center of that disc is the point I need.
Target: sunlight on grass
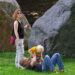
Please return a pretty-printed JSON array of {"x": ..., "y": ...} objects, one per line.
[{"x": 7, "y": 66}]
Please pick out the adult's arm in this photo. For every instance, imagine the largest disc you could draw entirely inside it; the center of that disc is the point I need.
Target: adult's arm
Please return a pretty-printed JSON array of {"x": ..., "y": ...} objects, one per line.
[
  {"x": 42, "y": 56},
  {"x": 33, "y": 61},
  {"x": 16, "y": 30}
]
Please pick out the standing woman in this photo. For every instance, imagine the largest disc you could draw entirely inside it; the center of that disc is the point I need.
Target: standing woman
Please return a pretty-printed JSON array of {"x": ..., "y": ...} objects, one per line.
[{"x": 19, "y": 35}]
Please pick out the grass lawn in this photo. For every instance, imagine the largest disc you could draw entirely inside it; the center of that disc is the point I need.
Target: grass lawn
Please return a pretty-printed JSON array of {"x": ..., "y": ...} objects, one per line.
[{"x": 7, "y": 66}]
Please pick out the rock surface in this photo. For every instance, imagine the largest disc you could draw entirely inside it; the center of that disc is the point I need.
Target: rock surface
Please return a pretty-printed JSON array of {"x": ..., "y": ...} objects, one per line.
[
  {"x": 52, "y": 30},
  {"x": 7, "y": 8}
]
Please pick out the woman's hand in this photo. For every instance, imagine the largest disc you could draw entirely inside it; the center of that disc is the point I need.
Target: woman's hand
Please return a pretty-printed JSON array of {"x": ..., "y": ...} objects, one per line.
[
  {"x": 27, "y": 26},
  {"x": 19, "y": 43}
]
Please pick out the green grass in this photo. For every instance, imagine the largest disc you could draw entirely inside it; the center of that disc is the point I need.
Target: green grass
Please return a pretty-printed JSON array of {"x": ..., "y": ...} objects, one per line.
[{"x": 7, "y": 66}]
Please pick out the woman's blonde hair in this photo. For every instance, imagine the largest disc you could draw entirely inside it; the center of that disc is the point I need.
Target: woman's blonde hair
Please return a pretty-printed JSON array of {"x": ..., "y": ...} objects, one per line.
[{"x": 15, "y": 14}]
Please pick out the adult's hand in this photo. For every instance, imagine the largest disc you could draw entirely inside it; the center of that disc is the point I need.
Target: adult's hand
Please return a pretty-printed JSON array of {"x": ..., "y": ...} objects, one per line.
[
  {"x": 27, "y": 26},
  {"x": 19, "y": 43},
  {"x": 33, "y": 61}
]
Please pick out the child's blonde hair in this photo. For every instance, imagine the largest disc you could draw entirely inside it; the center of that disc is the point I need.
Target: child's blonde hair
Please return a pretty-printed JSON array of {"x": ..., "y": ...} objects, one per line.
[
  {"x": 37, "y": 49},
  {"x": 40, "y": 49}
]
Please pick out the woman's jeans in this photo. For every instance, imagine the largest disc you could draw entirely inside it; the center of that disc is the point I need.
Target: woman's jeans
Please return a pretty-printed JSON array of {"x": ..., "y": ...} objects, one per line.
[
  {"x": 49, "y": 63},
  {"x": 19, "y": 52}
]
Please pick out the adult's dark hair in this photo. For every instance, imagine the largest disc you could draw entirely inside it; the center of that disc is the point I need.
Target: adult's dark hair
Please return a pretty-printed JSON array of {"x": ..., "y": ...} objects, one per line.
[{"x": 22, "y": 61}]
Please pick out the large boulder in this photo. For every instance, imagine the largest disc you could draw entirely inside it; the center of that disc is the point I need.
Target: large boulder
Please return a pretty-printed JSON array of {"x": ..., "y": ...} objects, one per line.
[
  {"x": 55, "y": 29},
  {"x": 7, "y": 8}
]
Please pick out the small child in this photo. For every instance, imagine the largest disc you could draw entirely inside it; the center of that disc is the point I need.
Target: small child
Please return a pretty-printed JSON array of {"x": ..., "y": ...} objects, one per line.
[{"x": 38, "y": 50}]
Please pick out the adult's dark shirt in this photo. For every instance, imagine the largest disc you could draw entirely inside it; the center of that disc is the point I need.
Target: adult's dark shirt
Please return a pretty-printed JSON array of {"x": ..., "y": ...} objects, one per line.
[
  {"x": 20, "y": 30},
  {"x": 37, "y": 67}
]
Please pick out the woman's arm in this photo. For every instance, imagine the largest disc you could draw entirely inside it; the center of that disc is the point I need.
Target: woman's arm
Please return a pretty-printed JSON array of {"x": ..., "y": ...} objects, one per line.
[{"x": 16, "y": 30}]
